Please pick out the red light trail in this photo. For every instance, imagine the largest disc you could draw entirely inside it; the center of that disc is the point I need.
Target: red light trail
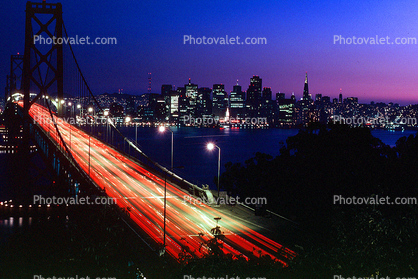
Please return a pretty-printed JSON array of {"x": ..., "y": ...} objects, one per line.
[{"x": 188, "y": 223}]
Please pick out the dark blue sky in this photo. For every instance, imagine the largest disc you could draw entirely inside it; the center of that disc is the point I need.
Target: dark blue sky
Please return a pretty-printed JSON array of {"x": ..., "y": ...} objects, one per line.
[{"x": 299, "y": 38}]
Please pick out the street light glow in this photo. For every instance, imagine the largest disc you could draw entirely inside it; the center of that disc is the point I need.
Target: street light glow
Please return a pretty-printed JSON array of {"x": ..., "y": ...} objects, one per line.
[
  {"x": 90, "y": 109},
  {"x": 128, "y": 119},
  {"x": 69, "y": 104},
  {"x": 106, "y": 113},
  {"x": 79, "y": 106},
  {"x": 162, "y": 129},
  {"x": 210, "y": 146}
]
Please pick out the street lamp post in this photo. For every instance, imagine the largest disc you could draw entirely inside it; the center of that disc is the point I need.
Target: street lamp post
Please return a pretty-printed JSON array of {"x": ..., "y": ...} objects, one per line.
[
  {"x": 71, "y": 112},
  {"x": 136, "y": 133},
  {"x": 90, "y": 110},
  {"x": 106, "y": 114},
  {"x": 127, "y": 120},
  {"x": 80, "y": 108},
  {"x": 162, "y": 129},
  {"x": 211, "y": 146},
  {"x": 61, "y": 108},
  {"x": 71, "y": 108}
]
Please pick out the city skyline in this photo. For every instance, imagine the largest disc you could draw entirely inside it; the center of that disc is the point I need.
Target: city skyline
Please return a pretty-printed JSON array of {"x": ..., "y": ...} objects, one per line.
[
  {"x": 256, "y": 107},
  {"x": 298, "y": 95}
]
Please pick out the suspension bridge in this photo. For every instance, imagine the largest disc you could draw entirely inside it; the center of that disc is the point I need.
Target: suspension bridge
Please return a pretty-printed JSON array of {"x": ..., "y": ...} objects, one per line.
[{"x": 162, "y": 205}]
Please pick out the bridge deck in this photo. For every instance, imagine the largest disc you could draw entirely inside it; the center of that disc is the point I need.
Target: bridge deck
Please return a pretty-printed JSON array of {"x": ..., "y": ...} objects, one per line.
[{"x": 188, "y": 223}]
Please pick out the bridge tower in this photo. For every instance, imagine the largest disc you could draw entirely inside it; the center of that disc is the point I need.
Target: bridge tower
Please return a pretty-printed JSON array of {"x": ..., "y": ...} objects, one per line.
[
  {"x": 14, "y": 80},
  {"x": 43, "y": 69}
]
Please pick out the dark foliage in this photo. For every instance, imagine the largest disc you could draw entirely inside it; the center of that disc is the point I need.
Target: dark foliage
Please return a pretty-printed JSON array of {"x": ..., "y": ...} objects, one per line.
[{"x": 321, "y": 162}]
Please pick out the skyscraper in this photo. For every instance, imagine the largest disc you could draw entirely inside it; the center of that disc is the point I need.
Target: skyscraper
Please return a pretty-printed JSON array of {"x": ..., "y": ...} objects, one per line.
[
  {"x": 326, "y": 100},
  {"x": 166, "y": 89},
  {"x": 204, "y": 102},
  {"x": 305, "y": 103},
  {"x": 280, "y": 96},
  {"x": 183, "y": 102},
  {"x": 306, "y": 96},
  {"x": 156, "y": 108},
  {"x": 166, "y": 94},
  {"x": 237, "y": 102},
  {"x": 267, "y": 94},
  {"x": 267, "y": 107},
  {"x": 174, "y": 106},
  {"x": 286, "y": 110},
  {"x": 254, "y": 96},
  {"x": 220, "y": 101},
  {"x": 191, "y": 94}
]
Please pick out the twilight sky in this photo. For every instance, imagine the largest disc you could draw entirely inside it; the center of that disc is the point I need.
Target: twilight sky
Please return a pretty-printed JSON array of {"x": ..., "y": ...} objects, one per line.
[{"x": 299, "y": 39}]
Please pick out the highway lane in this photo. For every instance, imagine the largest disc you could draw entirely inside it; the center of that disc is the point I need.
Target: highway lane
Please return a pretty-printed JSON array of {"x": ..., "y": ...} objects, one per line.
[{"x": 188, "y": 224}]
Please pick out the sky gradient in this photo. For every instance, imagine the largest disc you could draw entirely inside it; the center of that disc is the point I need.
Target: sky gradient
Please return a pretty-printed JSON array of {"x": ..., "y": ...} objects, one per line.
[{"x": 299, "y": 39}]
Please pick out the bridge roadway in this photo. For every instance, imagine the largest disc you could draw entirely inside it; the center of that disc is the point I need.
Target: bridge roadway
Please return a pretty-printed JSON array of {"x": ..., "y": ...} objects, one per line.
[{"x": 188, "y": 224}]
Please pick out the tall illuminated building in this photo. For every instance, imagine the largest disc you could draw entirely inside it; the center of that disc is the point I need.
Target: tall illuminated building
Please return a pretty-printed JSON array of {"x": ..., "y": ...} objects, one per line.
[
  {"x": 237, "y": 102},
  {"x": 191, "y": 95},
  {"x": 306, "y": 96},
  {"x": 166, "y": 90},
  {"x": 204, "y": 102},
  {"x": 219, "y": 100},
  {"x": 305, "y": 104},
  {"x": 174, "y": 106},
  {"x": 183, "y": 102},
  {"x": 286, "y": 110},
  {"x": 267, "y": 106},
  {"x": 254, "y": 96}
]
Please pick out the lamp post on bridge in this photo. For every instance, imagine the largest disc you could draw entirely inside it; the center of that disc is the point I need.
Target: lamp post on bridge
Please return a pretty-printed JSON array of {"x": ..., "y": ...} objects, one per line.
[
  {"x": 71, "y": 109},
  {"x": 136, "y": 133},
  {"x": 162, "y": 129},
  {"x": 210, "y": 147},
  {"x": 61, "y": 108},
  {"x": 106, "y": 114},
  {"x": 127, "y": 121},
  {"x": 80, "y": 108},
  {"x": 90, "y": 110},
  {"x": 71, "y": 115}
]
